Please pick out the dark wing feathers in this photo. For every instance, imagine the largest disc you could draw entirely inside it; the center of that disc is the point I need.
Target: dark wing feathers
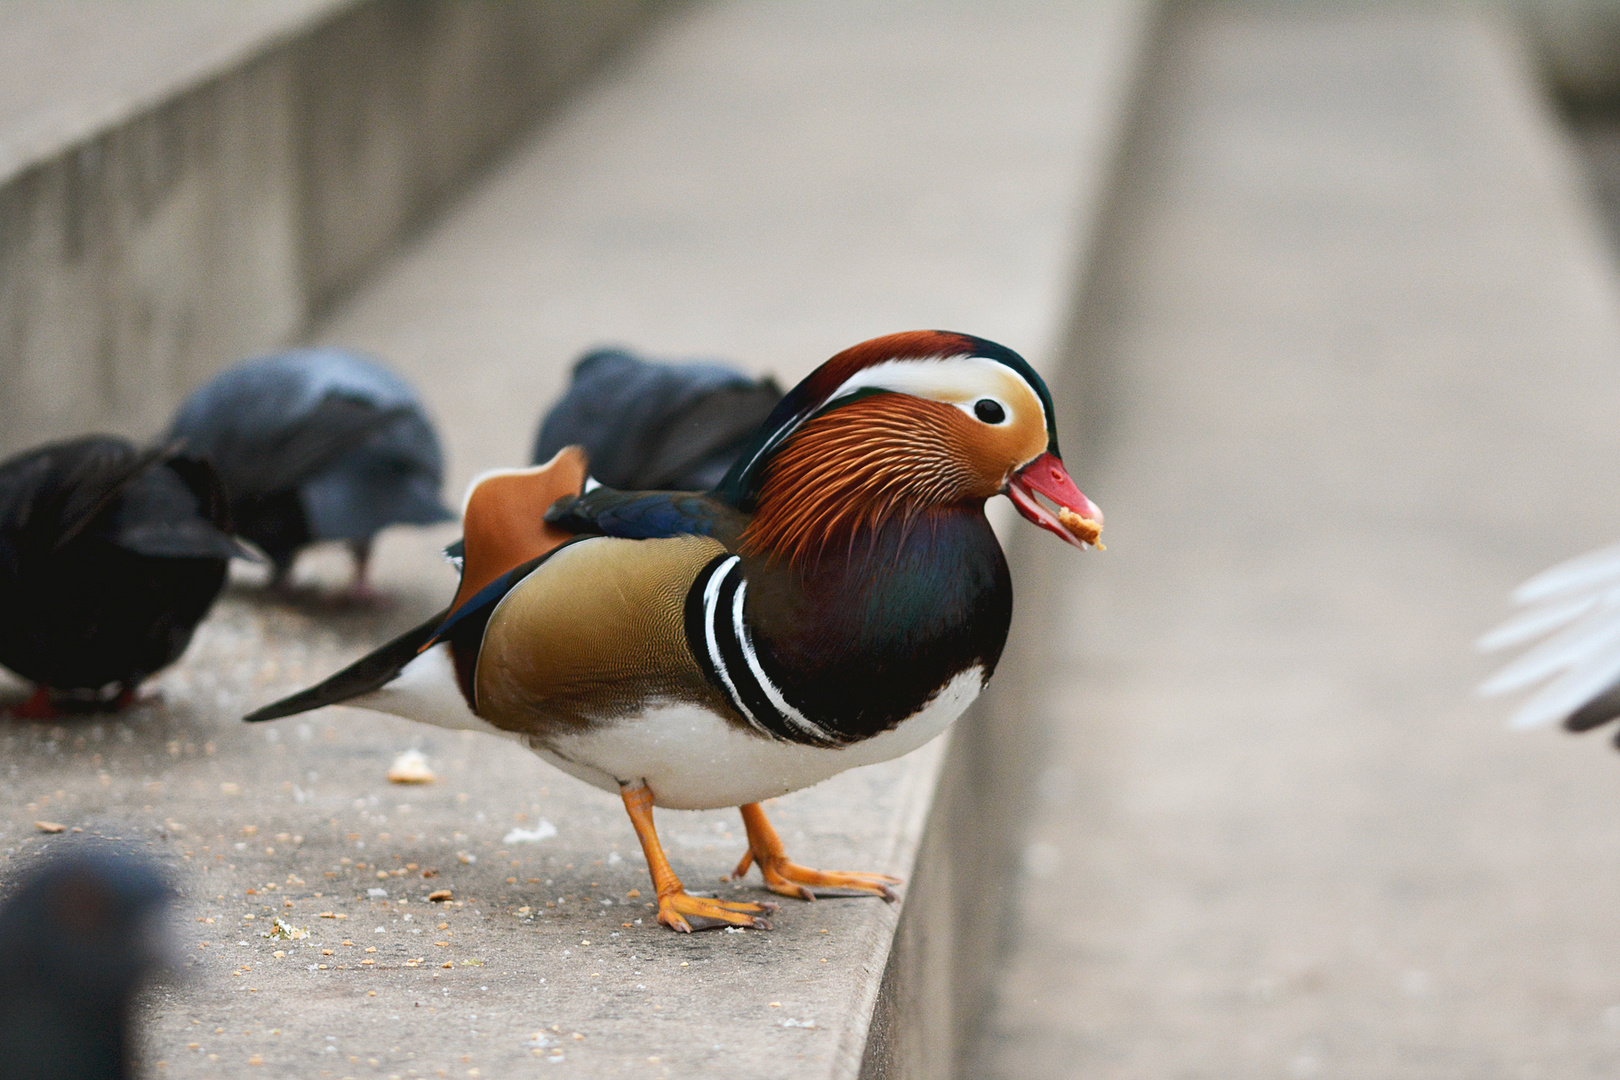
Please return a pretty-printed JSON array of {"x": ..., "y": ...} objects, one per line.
[
  {"x": 655, "y": 425},
  {"x": 261, "y": 461},
  {"x": 370, "y": 672},
  {"x": 50, "y": 495},
  {"x": 646, "y": 515},
  {"x": 94, "y": 473},
  {"x": 379, "y": 668}
]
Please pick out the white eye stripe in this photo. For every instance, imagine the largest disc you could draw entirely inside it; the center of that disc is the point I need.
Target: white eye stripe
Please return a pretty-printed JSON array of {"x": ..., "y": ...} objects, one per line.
[{"x": 953, "y": 380}]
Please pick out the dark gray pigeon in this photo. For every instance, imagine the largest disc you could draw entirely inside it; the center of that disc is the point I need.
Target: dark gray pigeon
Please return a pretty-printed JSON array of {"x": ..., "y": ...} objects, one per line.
[
  {"x": 79, "y": 936},
  {"x": 109, "y": 557},
  {"x": 314, "y": 445},
  {"x": 649, "y": 425}
]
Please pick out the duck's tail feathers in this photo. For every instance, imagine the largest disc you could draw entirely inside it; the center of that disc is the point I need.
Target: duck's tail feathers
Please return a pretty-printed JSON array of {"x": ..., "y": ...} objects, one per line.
[{"x": 371, "y": 672}]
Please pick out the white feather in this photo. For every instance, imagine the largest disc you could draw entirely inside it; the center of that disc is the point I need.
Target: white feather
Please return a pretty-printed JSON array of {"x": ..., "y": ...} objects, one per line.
[
  {"x": 1577, "y": 603},
  {"x": 1537, "y": 622},
  {"x": 1595, "y": 569},
  {"x": 426, "y": 689},
  {"x": 1570, "y": 691},
  {"x": 1593, "y": 634}
]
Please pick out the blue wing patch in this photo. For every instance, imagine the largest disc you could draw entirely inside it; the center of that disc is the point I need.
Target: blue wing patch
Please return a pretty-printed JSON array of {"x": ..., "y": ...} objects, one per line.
[{"x": 646, "y": 515}]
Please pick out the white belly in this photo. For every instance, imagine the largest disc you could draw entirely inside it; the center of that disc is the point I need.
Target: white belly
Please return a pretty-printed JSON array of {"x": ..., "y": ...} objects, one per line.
[{"x": 691, "y": 758}]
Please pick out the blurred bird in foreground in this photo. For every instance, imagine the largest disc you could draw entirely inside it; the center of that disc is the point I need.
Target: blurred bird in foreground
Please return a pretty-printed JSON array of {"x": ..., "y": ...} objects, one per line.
[
  {"x": 838, "y": 599},
  {"x": 79, "y": 936},
  {"x": 655, "y": 426},
  {"x": 1575, "y": 609},
  {"x": 315, "y": 445},
  {"x": 109, "y": 557}
]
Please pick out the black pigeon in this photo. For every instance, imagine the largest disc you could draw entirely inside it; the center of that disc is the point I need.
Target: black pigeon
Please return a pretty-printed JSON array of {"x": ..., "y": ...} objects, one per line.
[
  {"x": 648, "y": 425},
  {"x": 79, "y": 937},
  {"x": 313, "y": 445},
  {"x": 109, "y": 557}
]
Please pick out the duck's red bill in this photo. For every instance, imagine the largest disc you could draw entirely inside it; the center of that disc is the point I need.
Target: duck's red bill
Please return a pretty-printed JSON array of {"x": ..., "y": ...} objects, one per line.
[{"x": 1075, "y": 517}]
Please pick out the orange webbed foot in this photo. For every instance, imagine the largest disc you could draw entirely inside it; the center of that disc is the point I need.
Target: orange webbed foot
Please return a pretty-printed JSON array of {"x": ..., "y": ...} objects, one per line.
[
  {"x": 788, "y": 878},
  {"x": 683, "y": 912},
  {"x": 678, "y": 909}
]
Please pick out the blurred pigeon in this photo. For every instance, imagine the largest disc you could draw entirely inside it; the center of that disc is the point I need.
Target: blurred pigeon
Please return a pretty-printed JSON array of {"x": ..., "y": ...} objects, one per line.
[
  {"x": 317, "y": 444},
  {"x": 80, "y": 935},
  {"x": 109, "y": 557},
  {"x": 1575, "y": 609},
  {"x": 647, "y": 425}
]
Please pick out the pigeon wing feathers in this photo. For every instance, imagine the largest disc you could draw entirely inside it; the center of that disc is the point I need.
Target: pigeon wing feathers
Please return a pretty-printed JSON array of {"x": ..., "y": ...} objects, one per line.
[
  {"x": 705, "y": 439},
  {"x": 96, "y": 472},
  {"x": 646, "y": 424},
  {"x": 260, "y": 461}
]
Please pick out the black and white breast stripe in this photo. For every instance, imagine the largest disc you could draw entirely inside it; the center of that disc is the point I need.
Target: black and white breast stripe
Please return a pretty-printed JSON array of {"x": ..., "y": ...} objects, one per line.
[{"x": 718, "y": 636}]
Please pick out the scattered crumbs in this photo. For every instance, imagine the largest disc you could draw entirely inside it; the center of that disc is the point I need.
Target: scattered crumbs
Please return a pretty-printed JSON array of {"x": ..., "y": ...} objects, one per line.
[
  {"x": 543, "y": 831},
  {"x": 49, "y": 827},
  {"x": 411, "y": 767}
]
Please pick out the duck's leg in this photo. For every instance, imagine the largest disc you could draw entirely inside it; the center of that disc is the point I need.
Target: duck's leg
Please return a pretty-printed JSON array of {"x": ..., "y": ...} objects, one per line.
[
  {"x": 675, "y": 904},
  {"x": 791, "y": 879}
]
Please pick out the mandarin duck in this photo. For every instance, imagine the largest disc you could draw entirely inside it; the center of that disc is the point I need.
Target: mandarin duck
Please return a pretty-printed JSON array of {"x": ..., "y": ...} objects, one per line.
[
  {"x": 80, "y": 935},
  {"x": 1575, "y": 607},
  {"x": 655, "y": 425},
  {"x": 838, "y": 599},
  {"x": 317, "y": 445},
  {"x": 109, "y": 557}
]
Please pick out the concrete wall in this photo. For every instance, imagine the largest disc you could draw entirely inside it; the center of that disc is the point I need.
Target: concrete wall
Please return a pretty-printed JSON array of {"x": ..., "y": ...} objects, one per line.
[{"x": 136, "y": 262}]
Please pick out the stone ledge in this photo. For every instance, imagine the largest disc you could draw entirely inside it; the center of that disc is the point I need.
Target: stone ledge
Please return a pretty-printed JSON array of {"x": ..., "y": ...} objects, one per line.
[{"x": 207, "y": 177}]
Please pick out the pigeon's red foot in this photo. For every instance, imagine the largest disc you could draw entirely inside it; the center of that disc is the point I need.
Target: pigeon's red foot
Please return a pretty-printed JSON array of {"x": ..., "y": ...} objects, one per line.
[
  {"x": 791, "y": 879},
  {"x": 678, "y": 909},
  {"x": 360, "y": 594},
  {"x": 38, "y": 707}
]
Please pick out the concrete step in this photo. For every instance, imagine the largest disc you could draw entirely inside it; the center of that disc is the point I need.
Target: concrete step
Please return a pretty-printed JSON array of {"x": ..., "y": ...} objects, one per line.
[
  {"x": 766, "y": 182},
  {"x": 1355, "y": 340},
  {"x": 187, "y": 183}
]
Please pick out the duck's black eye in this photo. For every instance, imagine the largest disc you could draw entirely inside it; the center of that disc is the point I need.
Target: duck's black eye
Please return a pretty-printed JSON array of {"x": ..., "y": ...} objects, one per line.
[{"x": 989, "y": 411}]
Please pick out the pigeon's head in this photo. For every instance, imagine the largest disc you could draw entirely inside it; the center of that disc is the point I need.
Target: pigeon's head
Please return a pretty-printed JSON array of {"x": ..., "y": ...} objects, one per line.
[{"x": 905, "y": 425}]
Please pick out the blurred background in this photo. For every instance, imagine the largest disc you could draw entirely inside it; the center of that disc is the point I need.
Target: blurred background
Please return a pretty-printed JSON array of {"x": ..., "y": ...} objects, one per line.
[{"x": 1329, "y": 297}]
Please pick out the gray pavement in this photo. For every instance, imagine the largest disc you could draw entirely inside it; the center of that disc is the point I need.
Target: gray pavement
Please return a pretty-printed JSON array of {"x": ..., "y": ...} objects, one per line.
[
  {"x": 1356, "y": 354},
  {"x": 768, "y": 182}
]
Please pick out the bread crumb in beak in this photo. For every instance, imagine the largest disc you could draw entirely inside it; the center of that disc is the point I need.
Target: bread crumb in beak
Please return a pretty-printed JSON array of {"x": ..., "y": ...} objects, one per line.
[{"x": 1082, "y": 528}]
